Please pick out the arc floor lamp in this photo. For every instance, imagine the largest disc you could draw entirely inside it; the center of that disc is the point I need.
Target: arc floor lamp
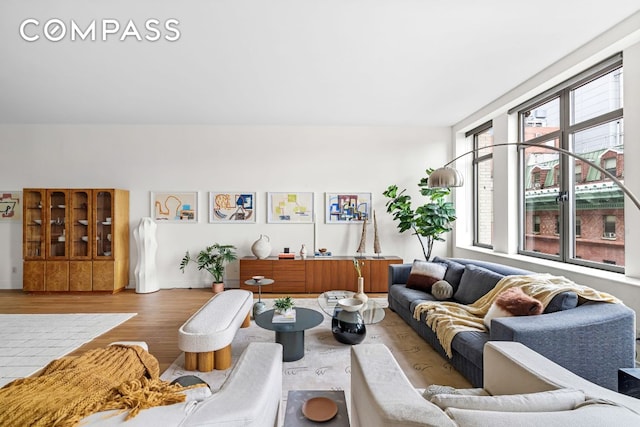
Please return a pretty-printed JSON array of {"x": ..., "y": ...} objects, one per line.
[{"x": 447, "y": 176}]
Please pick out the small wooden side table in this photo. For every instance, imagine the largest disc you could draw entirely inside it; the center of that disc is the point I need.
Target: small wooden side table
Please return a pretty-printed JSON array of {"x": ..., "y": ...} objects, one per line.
[{"x": 295, "y": 399}]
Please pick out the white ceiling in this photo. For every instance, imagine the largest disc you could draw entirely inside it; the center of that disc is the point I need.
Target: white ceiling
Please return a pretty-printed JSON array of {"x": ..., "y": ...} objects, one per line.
[{"x": 288, "y": 62}]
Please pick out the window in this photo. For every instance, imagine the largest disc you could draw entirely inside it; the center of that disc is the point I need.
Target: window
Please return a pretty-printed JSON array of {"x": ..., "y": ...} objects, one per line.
[
  {"x": 535, "y": 180},
  {"x": 609, "y": 227},
  {"x": 583, "y": 116},
  {"x": 483, "y": 185},
  {"x": 578, "y": 172},
  {"x": 610, "y": 165}
]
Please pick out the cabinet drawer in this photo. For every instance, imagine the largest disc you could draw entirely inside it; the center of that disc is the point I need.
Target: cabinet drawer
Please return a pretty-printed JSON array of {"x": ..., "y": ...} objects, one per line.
[
  {"x": 289, "y": 271},
  {"x": 289, "y": 287},
  {"x": 255, "y": 267}
]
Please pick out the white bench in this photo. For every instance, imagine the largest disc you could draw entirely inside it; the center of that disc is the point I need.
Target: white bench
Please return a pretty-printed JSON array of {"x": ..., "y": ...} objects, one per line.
[{"x": 206, "y": 337}]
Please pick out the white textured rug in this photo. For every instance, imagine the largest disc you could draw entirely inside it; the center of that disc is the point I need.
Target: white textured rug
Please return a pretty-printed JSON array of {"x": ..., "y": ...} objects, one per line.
[
  {"x": 28, "y": 342},
  {"x": 327, "y": 362}
]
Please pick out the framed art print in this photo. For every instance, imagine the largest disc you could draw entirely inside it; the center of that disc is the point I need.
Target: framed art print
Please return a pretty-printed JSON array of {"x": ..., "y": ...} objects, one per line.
[
  {"x": 174, "y": 206},
  {"x": 232, "y": 206},
  {"x": 290, "y": 208},
  {"x": 347, "y": 207},
  {"x": 10, "y": 206}
]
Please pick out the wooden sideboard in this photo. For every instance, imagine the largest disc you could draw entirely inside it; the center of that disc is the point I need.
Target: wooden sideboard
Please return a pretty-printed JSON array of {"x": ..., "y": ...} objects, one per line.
[{"x": 316, "y": 275}]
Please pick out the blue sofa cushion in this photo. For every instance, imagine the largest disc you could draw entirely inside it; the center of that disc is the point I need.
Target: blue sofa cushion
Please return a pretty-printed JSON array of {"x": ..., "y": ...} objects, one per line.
[
  {"x": 454, "y": 271},
  {"x": 498, "y": 268},
  {"x": 562, "y": 301},
  {"x": 409, "y": 297},
  {"x": 470, "y": 345},
  {"x": 475, "y": 282}
]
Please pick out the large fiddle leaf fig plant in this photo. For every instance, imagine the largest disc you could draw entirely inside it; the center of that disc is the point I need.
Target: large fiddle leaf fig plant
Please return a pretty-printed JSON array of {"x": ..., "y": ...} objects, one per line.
[{"x": 428, "y": 221}]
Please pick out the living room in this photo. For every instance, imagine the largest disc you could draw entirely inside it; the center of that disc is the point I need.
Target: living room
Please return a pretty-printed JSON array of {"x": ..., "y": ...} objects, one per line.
[
  {"x": 260, "y": 103},
  {"x": 92, "y": 139}
]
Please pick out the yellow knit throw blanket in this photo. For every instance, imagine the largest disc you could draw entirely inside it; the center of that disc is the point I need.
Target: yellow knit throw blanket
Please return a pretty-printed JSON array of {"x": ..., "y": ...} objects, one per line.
[
  {"x": 71, "y": 388},
  {"x": 446, "y": 319}
]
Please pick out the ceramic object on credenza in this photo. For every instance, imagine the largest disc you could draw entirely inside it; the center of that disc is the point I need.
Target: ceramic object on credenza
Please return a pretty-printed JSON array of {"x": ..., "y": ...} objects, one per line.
[
  {"x": 261, "y": 248},
  {"x": 303, "y": 252},
  {"x": 360, "y": 294}
]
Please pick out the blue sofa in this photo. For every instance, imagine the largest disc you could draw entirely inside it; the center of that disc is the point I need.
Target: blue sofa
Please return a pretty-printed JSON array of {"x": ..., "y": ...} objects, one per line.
[{"x": 591, "y": 339}]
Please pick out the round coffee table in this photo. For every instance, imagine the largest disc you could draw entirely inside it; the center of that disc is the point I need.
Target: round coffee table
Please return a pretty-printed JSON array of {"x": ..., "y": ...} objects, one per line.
[
  {"x": 372, "y": 312},
  {"x": 291, "y": 335},
  {"x": 259, "y": 306}
]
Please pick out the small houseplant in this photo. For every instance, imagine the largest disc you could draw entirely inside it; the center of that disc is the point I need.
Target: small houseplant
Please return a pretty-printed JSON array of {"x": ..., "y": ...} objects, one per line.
[
  {"x": 283, "y": 305},
  {"x": 430, "y": 220},
  {"x": 212, "y": 259}
]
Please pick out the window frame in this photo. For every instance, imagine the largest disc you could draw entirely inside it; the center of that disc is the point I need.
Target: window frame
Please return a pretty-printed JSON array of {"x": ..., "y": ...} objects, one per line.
[
  {"x": 567, "y": 164},
  {"x": 479, "y": 157}
]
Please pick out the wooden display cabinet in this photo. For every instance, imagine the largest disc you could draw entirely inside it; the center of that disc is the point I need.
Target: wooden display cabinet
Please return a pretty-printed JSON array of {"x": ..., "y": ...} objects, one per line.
[
  {"x": 316, "y": 275},
  {"x": 76, "y": 240}
]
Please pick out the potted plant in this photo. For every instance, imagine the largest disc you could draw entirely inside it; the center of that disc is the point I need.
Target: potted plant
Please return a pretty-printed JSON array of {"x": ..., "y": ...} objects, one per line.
[
  {"x": 283, "y": 305},
  {"x": 212, "y": 259},
  {"x": 429, "y": 221}
]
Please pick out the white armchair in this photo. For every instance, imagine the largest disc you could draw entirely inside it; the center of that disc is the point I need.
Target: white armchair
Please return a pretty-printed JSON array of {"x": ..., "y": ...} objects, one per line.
[{"x": 515, "y": 376}]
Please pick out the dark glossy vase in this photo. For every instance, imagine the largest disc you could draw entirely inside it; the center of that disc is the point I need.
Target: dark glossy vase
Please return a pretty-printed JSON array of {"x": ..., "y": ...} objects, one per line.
[{"x": 348, "y": 326}]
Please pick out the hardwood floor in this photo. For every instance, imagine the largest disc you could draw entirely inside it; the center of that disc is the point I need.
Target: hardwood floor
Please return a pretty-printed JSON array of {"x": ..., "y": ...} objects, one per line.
[{"x": 160, "y": 314}]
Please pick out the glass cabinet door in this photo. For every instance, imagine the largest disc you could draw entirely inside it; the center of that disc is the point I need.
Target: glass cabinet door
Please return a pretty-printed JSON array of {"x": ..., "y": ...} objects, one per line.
[
  {"x": 34, "y": 224},
  {"x": 104, "y": 222},
  {"x": 57, "y": 239},
  {"x": 81, "y": 226}
]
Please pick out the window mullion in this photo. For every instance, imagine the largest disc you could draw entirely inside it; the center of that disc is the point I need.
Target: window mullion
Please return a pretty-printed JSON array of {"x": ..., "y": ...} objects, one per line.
[{"x": 564, "y": 181}]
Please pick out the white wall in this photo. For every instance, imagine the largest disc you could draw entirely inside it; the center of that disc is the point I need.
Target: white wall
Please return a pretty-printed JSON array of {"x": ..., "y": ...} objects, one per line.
[
  {"x": 203, "y": 158},
  {"x": 623, "y": 38}
]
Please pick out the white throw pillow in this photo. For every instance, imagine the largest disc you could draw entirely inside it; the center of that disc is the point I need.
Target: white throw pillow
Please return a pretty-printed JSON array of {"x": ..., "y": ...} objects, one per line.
[
  {"x": 555, "y": 400},
  {"x": 434, "y": 389},
  {"x": 588, "y": 416}
]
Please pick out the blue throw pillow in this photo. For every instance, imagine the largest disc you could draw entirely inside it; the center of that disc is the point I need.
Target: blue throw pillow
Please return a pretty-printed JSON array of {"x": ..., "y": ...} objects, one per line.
[
  {"x": 475, "y": 282},
  {"x": 454, "y": 271},
  {"x": 562, "y": 301}
]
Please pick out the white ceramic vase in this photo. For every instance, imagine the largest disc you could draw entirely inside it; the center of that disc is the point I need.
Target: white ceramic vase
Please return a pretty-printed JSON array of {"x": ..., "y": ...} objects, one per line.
[
  {"x": 261, "y": 248},
  {"x": 360, "y": 294},
  {"x": 303, "y": 252}
]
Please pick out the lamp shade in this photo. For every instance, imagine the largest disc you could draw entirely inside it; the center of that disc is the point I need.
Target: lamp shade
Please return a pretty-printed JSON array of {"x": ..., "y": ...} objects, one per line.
[{"x": 445, "y": 177}]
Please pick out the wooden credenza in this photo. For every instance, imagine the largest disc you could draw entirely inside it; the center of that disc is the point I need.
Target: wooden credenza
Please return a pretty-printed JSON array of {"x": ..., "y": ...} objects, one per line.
[{"x": 316, "y": 275}]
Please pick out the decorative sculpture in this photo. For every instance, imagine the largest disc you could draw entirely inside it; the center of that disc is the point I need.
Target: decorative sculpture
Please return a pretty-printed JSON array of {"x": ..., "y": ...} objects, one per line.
[
  {"x": 145, "y": 271},
  {"x": 363, "y": 238},
  {"x": 376, "y": 240}
]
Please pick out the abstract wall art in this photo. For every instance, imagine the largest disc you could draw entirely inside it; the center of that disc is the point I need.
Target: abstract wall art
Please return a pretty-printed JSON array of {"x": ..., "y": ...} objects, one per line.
[
  {"x": 232, "y": 207},
  {"x": 174, "y": 206},
  {"x": 347, "y": 207},
  {"x": 290, "y": 208},
  {"x": 10, "y": 206}
]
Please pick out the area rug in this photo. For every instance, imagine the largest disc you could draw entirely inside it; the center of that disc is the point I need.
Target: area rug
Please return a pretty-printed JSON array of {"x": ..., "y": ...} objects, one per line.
[
  {"x": 327, "y": 362},
  {"x": 28, "y": 342}
]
